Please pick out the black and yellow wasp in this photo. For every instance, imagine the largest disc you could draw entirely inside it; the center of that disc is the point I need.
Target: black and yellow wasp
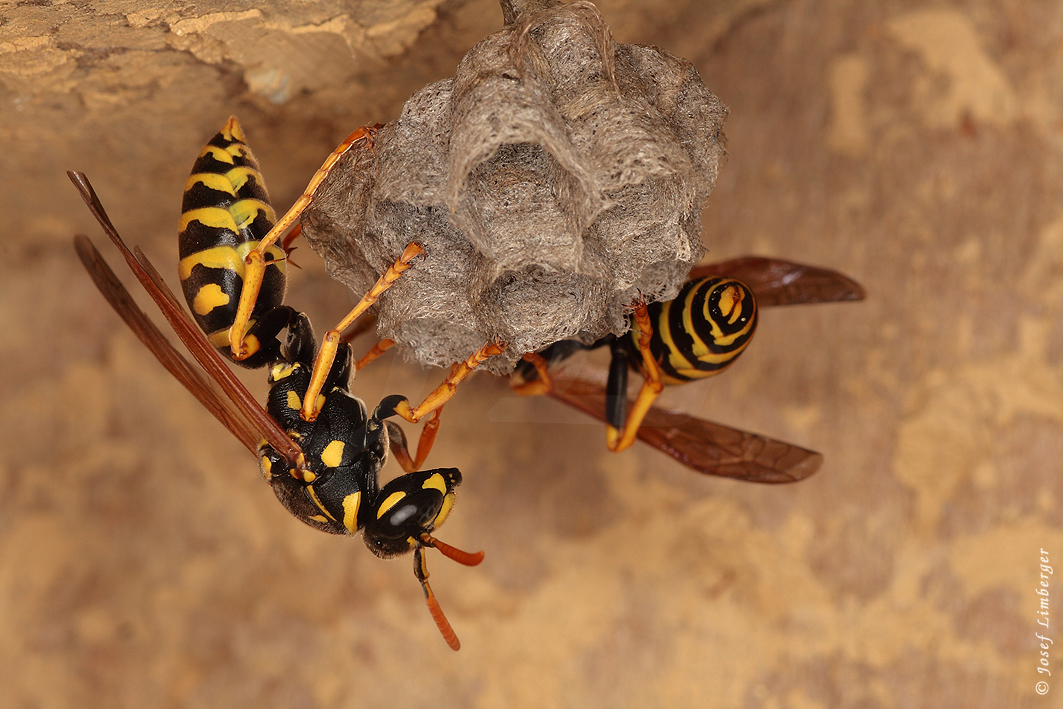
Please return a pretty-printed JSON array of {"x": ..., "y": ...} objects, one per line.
[
  {"x": 698, "y": 334},
  {"x": 323, "y": 467}
]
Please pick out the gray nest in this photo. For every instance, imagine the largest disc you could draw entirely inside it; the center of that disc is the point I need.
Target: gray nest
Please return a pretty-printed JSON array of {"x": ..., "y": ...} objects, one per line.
[{"x": 554, "y": 178}]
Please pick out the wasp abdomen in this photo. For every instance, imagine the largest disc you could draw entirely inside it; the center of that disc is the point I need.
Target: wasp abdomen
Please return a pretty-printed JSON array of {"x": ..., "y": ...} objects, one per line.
[
  {"x": 225, "y": 213},
  {"x": 702, "y": 331}
]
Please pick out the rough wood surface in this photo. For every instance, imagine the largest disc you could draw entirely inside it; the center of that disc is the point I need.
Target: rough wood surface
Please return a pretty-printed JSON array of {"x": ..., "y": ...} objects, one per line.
[{"x": 143, "y": 562}]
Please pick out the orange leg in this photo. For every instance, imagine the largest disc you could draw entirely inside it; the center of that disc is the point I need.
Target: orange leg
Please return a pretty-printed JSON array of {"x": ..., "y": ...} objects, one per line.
[
  {"x": 433, "y": 404},
  {"x": 361, "y": 327},
  {"x": 445, "y": 391},
  {"x": 378, "y": 349},
  {"x": 428, "y": 437},
  {"x": 331, "y": 341},
  {"x": 543, "y": 385},
  {"x": 651, "y": 387},
  {"x": 401, "y": 451},
  {"x": 255, "y": 263},
  {"x": 402, "y": 455},
  {"x": 294, "y": 234}
]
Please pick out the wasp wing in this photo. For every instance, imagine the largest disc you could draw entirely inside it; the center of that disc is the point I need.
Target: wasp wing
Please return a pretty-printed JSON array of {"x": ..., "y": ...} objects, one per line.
[
  {"x": 184, "y": 371},
  {"x": 778, "y": 282},
  {"x": 237, "y": 409},
  {"x": 707, "y": 447}
]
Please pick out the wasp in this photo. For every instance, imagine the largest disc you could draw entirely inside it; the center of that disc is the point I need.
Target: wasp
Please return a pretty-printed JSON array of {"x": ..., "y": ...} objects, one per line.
[
  {"x": 324, "y": 469},
  {"x": 697, "y": 335}
]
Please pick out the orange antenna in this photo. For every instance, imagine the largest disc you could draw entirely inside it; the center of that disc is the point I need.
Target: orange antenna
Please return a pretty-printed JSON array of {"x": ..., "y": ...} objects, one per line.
[
  {"x": 441, "y": 620},
  {"x": 453, "y": 553},
  {"x": 420, "y": 570}
]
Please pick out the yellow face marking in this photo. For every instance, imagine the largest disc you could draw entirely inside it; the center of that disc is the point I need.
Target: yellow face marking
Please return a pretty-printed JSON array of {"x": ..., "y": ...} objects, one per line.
[
  {"x": 308, "y": 477},
  {"x": 392, "y": 500},
  {"x": 318, "y": 518},
  {"x": 332, "y": 456},
  {"x": 351, "y": 503},
  {"x": 435, "y": 482},
  {"x": 444, "y": 510},
  {"x": 293, "y": 401},
  {"x": 208, "y": 298}
]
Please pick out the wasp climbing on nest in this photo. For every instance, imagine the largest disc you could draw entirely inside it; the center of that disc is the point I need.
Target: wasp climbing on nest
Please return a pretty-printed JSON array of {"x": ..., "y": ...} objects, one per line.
[
  {"x": 697, "y": 335},
  {"x": 323, "y": 467}
]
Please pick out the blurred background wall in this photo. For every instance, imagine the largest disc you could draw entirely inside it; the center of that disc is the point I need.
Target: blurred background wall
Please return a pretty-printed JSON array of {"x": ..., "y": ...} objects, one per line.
[{"x": 917, "y": 147}]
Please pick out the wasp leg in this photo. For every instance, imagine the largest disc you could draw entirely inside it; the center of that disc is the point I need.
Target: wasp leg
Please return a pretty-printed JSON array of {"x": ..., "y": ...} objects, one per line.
[
  {"x": 398, "y": 405},
  {"x": 361, "y": 327},
  {"x": 397, "y": 438},
  {"x": 427, "y": 439},
  {"x": 620, "y": 439},
  {"x": 445, "y": 391},
  {"x": 616, "y": 385},
  {"x": 294, "y": 234},
  {"x": 287, "y": 248},
  {"x": 543, "y": 385},
  {"x": 399, "y": 448},
  {"x": 378, "y": 349},
  {"x": 536, "y": 365},
  {"x": 330, "y": 342},
  {"x": 255, "y": 263}
]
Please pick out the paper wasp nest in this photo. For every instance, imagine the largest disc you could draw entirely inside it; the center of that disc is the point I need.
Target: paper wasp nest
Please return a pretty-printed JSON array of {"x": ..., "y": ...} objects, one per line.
[{"x": 556, "y": 176}]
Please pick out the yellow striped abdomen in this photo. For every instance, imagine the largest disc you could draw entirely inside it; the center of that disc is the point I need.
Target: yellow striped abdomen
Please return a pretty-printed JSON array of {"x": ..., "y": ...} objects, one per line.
[
  {"x": 701, "y": 332},
  {"x": 225, "y": 213}
]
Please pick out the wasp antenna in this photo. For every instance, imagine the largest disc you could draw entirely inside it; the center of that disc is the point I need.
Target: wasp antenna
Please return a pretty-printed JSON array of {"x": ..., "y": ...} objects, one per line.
[
  {"x": 420, "y": 570},
  {"x": 441, "y": 620},
  {"x": 462, "y": 557}
]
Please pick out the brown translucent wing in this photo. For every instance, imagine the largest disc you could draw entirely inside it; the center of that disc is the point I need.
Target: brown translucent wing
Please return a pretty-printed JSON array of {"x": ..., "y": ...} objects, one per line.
[
  {"x": 183, "y": 370},
  {"x": 777, "y": 282},
  {"x": 235, "y": 407},
  {"x": 709, "y": 448}
]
